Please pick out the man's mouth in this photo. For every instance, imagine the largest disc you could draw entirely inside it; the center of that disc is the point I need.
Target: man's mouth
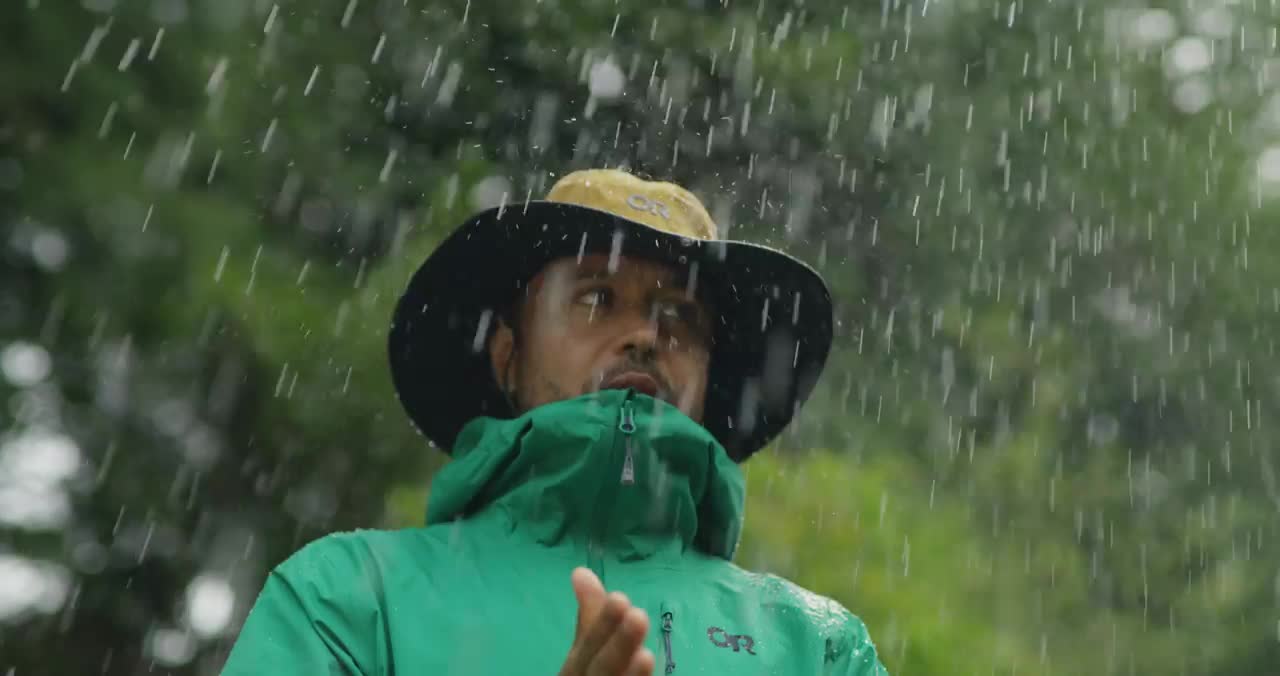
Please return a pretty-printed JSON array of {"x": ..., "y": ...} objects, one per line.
[{"x": 637, "y": 380}]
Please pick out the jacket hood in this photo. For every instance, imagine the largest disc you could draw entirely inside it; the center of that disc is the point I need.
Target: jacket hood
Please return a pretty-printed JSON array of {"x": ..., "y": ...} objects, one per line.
[{"x": 622, "y": 474}]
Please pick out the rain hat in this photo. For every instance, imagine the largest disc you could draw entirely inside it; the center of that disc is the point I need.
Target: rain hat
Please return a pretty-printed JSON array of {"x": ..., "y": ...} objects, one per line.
[{"x": 772, "y": 317}]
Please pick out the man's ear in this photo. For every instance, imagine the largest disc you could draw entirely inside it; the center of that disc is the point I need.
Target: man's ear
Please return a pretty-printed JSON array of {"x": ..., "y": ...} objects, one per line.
[{"x": 502, "y": 348}]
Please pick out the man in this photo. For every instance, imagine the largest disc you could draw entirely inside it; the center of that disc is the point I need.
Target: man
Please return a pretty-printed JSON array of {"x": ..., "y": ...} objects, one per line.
[{"x": 597, "y": 364}]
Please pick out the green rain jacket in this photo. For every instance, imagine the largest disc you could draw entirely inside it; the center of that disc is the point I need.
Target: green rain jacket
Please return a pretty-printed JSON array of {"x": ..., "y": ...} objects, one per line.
[{"x": 617, "y": 481}]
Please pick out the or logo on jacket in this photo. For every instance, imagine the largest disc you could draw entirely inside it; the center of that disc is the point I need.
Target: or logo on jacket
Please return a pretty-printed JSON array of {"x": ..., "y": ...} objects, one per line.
[{"x": 724, "y": 639}]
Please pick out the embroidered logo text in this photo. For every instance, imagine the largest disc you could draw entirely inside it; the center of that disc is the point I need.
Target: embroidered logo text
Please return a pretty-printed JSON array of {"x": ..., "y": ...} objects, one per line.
[
  {"x": 724, "y": 639},
  {"x": 642, "y": 203}
]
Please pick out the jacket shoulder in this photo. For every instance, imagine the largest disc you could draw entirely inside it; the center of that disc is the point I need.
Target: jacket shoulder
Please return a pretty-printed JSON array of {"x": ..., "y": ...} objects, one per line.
[
  {"x": 338, "y": 552},
  {"x": 365, "y": 555},
  {"x": 844, "y": 632}
]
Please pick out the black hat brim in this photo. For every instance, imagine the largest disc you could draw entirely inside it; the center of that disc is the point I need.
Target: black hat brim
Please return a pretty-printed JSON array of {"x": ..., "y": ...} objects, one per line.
[{"x": 772, "y": 329}]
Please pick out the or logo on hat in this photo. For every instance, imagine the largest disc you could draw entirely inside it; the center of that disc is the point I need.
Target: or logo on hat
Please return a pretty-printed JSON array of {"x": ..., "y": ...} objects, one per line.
[{"x": 642, "y": 203}]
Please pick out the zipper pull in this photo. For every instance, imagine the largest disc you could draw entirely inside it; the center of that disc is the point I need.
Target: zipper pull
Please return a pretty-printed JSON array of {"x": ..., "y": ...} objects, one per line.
[
  {"x": 666, "y": 641},
  {"x": 627, "y": 426}
]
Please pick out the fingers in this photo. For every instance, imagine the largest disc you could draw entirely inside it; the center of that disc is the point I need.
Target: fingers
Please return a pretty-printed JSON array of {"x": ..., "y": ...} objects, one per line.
[
  {"x": 622, "y": 652},
  {"x": 642, "y": 663},
  {"x": 590, "y": 595},
  {"x": 610, "y": 632},
  {"x": 600, "y": 630}
]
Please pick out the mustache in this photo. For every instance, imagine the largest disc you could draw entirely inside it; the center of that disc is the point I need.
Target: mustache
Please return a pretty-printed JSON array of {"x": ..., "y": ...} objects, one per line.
[{"x": 633, "y": 365}]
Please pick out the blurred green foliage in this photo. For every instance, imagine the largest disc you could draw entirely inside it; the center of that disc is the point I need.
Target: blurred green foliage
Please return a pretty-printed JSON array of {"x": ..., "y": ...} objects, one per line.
[{"x": 1044, "y": 440}]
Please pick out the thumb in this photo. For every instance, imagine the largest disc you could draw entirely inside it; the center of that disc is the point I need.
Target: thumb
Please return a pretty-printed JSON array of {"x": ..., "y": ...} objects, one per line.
[{"x": 591, "y": 597}]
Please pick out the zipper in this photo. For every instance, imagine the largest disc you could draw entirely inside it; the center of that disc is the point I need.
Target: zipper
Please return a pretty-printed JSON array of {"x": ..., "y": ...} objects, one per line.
[
  {"x": 627, "y": 424},
  {"x": 667, "y": 617},
  {"x": 606, "y": 497}
]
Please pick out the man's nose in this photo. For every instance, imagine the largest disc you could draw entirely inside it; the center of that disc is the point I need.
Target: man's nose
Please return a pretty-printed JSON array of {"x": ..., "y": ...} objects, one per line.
[{"x": 639, "y": 333}]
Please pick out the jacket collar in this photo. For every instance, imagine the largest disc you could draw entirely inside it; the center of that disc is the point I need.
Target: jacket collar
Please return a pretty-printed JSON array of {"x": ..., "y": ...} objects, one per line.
[{"x": 556, "y": 474}]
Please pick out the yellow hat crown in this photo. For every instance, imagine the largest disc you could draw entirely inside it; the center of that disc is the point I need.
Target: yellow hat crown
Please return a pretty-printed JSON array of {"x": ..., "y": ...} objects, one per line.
[{"x": 657, "y": 204}]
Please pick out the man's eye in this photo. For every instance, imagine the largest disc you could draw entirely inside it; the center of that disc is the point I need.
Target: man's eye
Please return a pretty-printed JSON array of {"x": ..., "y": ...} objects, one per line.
[
  {"x": 594, "y": 297},
  {"x": 685, "y": 312}
]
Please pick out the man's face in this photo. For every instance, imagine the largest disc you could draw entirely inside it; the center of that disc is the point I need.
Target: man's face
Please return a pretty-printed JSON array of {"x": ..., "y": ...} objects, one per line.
[{"x": 586, "y": 327}]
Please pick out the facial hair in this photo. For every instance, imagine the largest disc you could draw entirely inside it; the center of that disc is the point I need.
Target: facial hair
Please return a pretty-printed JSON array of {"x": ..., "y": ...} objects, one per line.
[{"x": 638, "y": 365}]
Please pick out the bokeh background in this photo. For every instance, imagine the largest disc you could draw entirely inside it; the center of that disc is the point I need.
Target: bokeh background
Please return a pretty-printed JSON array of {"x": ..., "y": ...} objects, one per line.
[{"x": 1045, "y": 442}]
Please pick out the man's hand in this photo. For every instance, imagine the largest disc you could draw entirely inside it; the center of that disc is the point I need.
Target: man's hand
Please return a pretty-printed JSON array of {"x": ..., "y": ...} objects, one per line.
[{"x": 610, "y": 633}]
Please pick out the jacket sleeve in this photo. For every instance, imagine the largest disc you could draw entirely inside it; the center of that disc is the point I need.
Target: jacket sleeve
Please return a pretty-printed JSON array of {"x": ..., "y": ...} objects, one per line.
[{"x": 312, "y": 617}]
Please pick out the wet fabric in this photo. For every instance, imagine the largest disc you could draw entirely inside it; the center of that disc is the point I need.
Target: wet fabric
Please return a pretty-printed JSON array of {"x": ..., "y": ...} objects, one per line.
[{"x": 616, "y": 481}]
